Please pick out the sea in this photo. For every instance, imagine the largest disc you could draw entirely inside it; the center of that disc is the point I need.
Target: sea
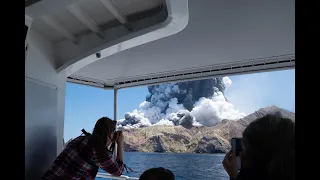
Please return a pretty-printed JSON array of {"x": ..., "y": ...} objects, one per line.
[{"x": 185, "y": 166}]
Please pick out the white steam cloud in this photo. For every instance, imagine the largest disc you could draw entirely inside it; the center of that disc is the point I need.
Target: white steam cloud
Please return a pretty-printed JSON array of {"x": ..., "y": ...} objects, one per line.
[
  {"x": 211, "y": 111},
  {"x": 227, "y": 82},
  {"x": 163, "y": 109}
]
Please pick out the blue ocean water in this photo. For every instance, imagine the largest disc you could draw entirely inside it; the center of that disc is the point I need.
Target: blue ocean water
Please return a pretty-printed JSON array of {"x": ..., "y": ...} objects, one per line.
[{"x": 184, "y": 166}]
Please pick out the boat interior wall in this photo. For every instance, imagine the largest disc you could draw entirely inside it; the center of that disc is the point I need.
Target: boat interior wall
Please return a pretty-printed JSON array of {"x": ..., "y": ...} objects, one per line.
[
  {"x": 40, "y": 127},
  {"x": 45, "y": 105},
  {"x": 231, "y": 37}
]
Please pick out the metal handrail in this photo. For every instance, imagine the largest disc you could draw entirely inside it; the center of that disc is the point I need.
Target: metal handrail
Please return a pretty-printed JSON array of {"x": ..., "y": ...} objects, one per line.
[{"x": 109, "y": 176}]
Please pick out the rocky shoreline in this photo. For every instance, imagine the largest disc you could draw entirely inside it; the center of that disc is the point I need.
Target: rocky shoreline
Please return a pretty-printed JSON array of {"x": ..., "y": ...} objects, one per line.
[{"x": 178, "y": 139}]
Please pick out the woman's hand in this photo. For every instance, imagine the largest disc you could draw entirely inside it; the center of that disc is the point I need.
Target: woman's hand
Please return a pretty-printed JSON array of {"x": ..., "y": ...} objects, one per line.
[
  {"x": 119, "y": 138},
  {"x": 230, "y": 164}
]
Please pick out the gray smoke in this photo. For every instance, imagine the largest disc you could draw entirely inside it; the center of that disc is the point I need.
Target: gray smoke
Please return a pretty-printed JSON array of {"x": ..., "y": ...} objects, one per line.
[
  {"x": 187, "y": 93},
  {"x": 188, "y": 104}
]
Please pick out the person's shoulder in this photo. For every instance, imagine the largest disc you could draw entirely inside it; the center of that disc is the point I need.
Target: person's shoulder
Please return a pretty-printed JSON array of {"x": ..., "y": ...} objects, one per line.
[
  {"x": 79, "y": 138},
  {"x": 75, "y": 141}
]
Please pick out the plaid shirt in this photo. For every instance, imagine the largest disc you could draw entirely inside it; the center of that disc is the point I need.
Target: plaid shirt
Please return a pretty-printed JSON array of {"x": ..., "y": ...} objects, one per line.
[{"x": 71, "y": 164}]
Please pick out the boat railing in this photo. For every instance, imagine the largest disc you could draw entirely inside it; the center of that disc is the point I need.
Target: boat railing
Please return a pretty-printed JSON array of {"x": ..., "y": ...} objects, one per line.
[{"x": 109, "y": 176}]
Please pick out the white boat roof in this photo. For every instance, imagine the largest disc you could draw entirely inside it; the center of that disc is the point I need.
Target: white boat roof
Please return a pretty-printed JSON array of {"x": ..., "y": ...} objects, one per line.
[{"x": 144, "y": 42}]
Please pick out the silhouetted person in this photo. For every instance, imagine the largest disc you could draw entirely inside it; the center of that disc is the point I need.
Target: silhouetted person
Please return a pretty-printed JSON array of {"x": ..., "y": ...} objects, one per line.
[
  {"x": 269, "y": 151},
  {"x": 157, "y": 174},
  {"x": 84, "y": 155}
]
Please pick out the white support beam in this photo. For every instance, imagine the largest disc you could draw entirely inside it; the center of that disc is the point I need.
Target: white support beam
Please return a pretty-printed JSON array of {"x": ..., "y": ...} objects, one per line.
[
  {"x": 115, "y": 104},
  {"x": 86, "y": 20},
  {"x": 109, "y": 4},
  {"x": 115, "y": 109},
  {"x": 58, "y": 27}
]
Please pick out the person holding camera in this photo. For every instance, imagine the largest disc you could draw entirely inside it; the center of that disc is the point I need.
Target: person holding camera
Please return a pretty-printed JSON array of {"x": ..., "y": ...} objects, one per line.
[
  {"x": 268, "y": 146},
  {"x": 84, "y": 155}
]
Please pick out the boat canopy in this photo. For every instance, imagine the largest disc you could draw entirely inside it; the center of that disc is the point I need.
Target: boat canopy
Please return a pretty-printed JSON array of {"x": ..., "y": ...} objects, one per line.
[{"x": 165, "y": 40}]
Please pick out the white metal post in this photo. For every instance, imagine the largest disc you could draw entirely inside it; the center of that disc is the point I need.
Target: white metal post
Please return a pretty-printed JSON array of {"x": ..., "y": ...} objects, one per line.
[
  {"x": 115, "y": 98},
  {"x": 115, "y": 94}
]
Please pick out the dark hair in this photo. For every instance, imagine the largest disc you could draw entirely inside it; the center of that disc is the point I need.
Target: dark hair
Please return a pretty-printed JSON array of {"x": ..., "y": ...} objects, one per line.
[
  {"x": 157, "y": 174},
  {"x": 103, "y": 128},
  {"x": 269, "y": 146}
]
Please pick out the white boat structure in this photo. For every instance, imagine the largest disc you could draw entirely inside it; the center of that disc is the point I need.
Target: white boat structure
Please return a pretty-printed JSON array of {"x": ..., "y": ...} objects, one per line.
[{"x": 114, "y": 44}]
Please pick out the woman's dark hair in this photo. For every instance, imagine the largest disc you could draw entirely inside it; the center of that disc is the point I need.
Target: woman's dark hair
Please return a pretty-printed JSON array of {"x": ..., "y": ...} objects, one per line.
[
  {"x": 103, "y": 128},
  {"x": 157, "y": 174},
  {"x": 269, "y": 146}
]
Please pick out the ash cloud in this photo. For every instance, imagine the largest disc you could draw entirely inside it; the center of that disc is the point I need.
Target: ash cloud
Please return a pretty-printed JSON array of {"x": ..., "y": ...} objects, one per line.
[{"x": 193, "y": 103}]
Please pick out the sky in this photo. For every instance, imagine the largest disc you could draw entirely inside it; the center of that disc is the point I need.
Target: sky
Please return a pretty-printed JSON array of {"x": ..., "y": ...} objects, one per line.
[{"x": 84, "y": 105}]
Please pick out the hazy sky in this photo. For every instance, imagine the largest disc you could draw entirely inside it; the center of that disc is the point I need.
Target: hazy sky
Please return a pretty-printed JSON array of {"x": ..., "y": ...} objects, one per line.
[{"x": 248, "y": 93}]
